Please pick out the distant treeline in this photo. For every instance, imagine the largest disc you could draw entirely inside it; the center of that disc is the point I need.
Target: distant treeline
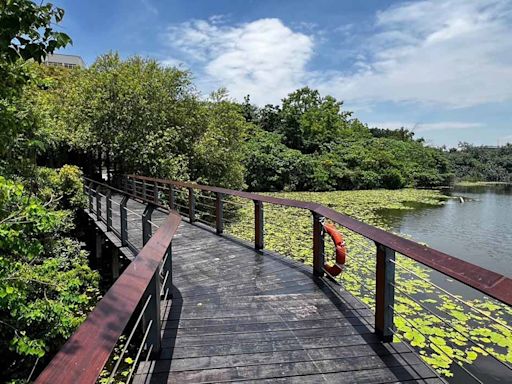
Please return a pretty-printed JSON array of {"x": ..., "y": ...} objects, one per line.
[
  {"x": 482, "y": 163},
  {"x": 309, "y": 142}
]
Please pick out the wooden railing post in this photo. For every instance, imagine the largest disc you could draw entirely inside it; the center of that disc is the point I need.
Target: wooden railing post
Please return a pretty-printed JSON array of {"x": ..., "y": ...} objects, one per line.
[
  {"x": 99, "y": 245},
  {"x": 258, "y": 225},
  {"x": 172, "y": 197},
  {"x": 155, "y": 192},
  {"x": 146, "y": 224},
  {"x": 108, "y": 199},
  {"x": 219, "y": 213},
  {"x": 124, "y": 221},
  {"x": 133, "y": 187},
  {"x": 151, "y": 316},
  {"x": 115, "y": 263},
  {"x": 191, "y": 205},
  {"x": 89, "y": 190},
  {"x": 385, "y": 293},
  {"x": 98, "y": 203},
  {"x": 318, "y": 245},
  {"x": 144, "y": 190}
]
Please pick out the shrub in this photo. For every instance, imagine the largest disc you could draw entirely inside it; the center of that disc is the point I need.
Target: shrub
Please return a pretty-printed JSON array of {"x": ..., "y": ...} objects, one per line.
[{"x": 46, "y": 285}]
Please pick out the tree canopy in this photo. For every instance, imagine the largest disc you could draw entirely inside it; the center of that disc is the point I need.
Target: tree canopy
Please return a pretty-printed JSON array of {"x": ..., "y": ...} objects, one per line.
[
  {"x": 481, "y": 163},
  {"x": 137, "y": 116},
  {"x": 310, "y": 143}
]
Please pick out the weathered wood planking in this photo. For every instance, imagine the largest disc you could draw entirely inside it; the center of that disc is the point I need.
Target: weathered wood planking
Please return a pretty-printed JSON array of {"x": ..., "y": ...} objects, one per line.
[{"x": 242, "y": 315}]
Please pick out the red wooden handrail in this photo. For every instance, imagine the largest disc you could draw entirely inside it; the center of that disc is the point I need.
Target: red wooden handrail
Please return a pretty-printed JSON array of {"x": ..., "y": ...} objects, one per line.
[
  {"x": 85, "y": 354},
  {"x": 488, "y": 282}
]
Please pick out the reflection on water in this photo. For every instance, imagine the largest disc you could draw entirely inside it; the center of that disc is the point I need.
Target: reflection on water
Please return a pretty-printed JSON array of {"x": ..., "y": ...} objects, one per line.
[{"x": 478, "y": 230}]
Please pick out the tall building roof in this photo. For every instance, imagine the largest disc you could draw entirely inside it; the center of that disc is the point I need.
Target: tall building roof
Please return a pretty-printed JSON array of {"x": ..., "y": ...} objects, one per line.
[{"x": 68, "y": 61}]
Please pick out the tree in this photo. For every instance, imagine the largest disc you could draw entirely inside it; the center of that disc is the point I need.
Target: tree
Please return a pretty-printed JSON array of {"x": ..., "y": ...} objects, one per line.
[
  {"x": 136, "y": 116},
  {"x": 309, "y": 120},
  {"x": 249, "y": 110},
  {"x": 271, "y": 165},
  {"x": 481, "y": 163},
  {"x": 270, "y": 118},
  {"x": 398, "y": 134},
  {"x": 217, "y": 154},
  {"x": 26, "y": 32}
]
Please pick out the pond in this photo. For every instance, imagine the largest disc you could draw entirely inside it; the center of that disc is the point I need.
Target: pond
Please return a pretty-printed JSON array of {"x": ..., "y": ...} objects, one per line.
[
  {"x": 478, "y": 230},
  {"x": 475, "y": 224}
]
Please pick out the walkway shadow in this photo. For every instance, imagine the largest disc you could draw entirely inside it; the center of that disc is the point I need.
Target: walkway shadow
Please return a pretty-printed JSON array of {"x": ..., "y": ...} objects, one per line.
[{"x": 396, "y": 366}]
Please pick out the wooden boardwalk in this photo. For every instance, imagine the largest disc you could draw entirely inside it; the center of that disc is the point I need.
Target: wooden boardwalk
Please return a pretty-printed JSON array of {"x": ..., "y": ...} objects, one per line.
[{"x": 240, "y": 315}]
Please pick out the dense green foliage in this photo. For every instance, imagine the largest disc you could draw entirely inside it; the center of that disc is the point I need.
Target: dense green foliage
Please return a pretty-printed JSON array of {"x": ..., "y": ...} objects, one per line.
[
  {"x": 136, "y": 116},
  {"x": 310, "y": 143},
  {"x": 474, "y": 163},
  {"x": 26, "y": 32},
  {"x": 46, "y": 285}
]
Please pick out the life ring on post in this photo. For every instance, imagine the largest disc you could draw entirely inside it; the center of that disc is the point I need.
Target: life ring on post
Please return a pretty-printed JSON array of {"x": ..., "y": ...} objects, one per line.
[{"x": 340, "y": 250}]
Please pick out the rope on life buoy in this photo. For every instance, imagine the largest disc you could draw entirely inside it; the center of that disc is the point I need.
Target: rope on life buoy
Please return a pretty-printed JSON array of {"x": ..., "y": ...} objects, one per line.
[{"x": 340, "y": 250}]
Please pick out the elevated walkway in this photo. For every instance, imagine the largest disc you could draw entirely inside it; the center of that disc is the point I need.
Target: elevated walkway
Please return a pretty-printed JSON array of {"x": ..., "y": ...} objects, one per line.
[
  {"x": 199, "y": 306},
  {"x": 237, "y": 314}
]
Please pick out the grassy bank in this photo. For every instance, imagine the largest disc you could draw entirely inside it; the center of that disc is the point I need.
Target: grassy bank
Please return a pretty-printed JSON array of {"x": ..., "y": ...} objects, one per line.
[{"x": 440, "y": 343}]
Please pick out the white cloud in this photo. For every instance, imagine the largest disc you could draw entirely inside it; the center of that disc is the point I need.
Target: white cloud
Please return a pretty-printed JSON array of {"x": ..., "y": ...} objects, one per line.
[
  {"x": 452, "y": 52},
  {"x": 263, "y": 58},
  {"x": 172, "y": 62},
  {"x": 149, "y": 6},
  {"x": 446, "y": 125},
  {"x": 423, "y": 127},
  {"x": 449, "y": 53}
]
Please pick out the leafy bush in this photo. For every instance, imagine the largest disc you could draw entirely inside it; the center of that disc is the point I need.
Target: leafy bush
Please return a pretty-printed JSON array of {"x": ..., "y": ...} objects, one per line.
[
  {"x": 65, "y": 184},
  {"x": 271, "y": 165},
  {"x": 46, "y": 286},
  {"x": 392, "y": 179}
]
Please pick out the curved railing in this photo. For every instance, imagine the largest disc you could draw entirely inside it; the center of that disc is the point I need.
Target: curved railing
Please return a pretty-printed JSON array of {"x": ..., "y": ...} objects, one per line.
[
  {"x": 84, "y": 355},
  {"x": 381, "y": 280},
  {"x": 491, "y": 283}
]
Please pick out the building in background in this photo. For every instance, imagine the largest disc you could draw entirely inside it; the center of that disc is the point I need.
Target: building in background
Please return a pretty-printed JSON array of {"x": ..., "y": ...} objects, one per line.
[{"x": 67, "y": 61}]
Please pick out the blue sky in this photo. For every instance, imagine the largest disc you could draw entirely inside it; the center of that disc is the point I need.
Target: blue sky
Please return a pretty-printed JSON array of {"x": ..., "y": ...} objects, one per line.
[{"x": 440, "y": 67}]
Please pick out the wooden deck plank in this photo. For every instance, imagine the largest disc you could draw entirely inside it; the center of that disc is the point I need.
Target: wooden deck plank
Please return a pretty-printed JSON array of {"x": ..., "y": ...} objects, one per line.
[
  {"x": 339, "y": 342},
  {"x": 365, "y": 369},
  {"x": 283, "y": 356}
]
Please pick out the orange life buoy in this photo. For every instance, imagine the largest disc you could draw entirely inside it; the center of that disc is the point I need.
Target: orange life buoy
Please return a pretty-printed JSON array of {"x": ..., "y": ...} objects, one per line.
[{"x": 340, "y": 249}]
